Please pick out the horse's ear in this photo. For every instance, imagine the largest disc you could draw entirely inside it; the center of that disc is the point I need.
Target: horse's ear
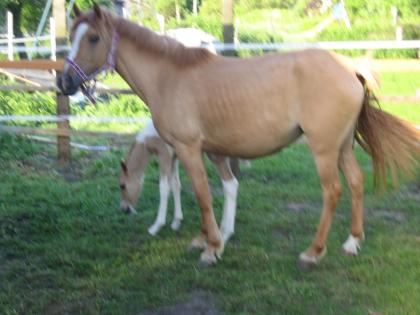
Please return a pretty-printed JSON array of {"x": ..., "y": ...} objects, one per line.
[
  {"x": 124, "y": 167},
  {"x": 97, "y": 9},
  {"x": 76, "y": 11}
]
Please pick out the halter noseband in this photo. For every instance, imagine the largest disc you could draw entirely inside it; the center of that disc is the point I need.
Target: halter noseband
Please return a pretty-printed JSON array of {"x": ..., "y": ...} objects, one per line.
[{"x": 89, "y": 81}]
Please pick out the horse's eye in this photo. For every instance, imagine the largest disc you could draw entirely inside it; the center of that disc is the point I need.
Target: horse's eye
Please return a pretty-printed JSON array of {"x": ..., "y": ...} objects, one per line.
[
  {"x": 93, "y": 39},
  {"x": 122, "y": 186}
]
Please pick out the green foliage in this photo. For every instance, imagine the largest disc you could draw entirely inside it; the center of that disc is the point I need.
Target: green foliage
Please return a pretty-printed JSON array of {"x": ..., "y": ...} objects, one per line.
[
  {"x": 211, "y": 8},
  {"x": 14, "y": 147},
  {"x": 211, "y": 24},
  {"x": 375, "y": 8},
  {"x": 372, "y": 29},
  {"x": 263, "y": 4},
  {"x": 15, "y": 103}
]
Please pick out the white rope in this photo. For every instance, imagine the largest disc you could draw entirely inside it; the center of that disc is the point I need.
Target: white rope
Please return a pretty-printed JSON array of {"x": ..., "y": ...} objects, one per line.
[{"x": 73, "y": 144}]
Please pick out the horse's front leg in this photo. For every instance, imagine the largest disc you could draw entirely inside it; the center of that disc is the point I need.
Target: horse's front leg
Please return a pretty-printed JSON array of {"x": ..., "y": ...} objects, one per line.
[{"x": 192, "y": 158}]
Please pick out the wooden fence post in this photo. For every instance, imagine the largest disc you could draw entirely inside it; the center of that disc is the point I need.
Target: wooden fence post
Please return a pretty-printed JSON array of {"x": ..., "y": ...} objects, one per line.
[
  {"x": 227, "y": 19},
  {"x": 63, "y": 102},
  {"x": 63, "y": 140}
]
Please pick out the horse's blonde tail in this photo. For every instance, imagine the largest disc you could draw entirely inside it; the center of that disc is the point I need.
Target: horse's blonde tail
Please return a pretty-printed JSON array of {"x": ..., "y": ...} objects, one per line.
[{"x": 394, "y": 144}]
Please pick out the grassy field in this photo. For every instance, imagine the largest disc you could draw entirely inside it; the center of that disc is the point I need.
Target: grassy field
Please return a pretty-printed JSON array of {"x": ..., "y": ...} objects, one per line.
[{"x": 66, "y": 249}]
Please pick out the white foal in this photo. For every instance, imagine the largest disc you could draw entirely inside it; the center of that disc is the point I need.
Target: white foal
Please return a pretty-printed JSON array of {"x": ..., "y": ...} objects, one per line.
[{"x": 147, "y": 143}]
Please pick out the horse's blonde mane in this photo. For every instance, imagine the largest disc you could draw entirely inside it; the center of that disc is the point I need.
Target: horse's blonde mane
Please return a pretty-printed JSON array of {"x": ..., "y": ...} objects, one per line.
[{"x": 148, "y": 40}]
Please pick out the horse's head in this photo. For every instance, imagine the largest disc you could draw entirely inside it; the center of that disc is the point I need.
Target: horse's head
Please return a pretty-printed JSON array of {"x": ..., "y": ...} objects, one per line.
[
  {"x": 91, "y": 42},
  {"x": 130, "y": 187}
]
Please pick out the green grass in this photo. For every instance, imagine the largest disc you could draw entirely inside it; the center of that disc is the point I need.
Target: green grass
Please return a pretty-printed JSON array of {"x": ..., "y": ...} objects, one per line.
[
  {"x": 399, "y": 83},
  {"x": 402, "y": 83},
  {"x": 66, "y": 249}
]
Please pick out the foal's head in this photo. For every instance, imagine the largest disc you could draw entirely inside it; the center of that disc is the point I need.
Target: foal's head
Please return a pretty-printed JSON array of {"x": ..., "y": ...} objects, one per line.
[
  {"x": 130, "y": 186},
  {"x": 91, "y": 38}
]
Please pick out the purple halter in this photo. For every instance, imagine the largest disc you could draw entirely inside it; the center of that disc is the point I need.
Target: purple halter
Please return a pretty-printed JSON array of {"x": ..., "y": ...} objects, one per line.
[{"x": 89, "y": 81}]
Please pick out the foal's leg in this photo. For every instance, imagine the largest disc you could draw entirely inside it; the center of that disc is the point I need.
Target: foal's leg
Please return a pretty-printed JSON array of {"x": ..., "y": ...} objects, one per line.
[
  {"x": 327, "y": 166},
  {"x": 176, "y": 191},
  {"x": 354, "y": 177},
  {"x": 230, "y": 190},
  {"x": 165, "y": 161},
  {"x": 192, "y": 158}
]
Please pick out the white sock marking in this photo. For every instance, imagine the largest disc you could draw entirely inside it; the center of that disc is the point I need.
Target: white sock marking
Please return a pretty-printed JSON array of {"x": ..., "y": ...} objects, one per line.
[
  {"x": 163, "y": 206},
  {"x": 230, "y": 189},
  {"x": 352, "y": 245},
  {"x": 176, "y": 191}
]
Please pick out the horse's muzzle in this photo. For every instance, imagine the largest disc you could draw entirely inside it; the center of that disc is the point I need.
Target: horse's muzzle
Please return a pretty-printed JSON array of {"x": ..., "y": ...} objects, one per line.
[
  {"x": 127, "y": 209},
  {"x": 68, "y": 84}
]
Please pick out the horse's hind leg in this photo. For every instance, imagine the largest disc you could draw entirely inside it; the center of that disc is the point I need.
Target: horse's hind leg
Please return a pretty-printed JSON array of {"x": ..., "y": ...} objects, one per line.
[
  {"x": 327, "y": 167},
  {"x": 230, "y": 190},
  {"x": 176, "y": 191},
  {"x": 354, "y": 177}
]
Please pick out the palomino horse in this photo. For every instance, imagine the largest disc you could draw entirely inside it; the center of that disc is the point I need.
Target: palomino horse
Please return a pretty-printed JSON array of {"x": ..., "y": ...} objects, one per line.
[
  {"x": 147, "y": 143},
  {"x": 248, "y": 108}
]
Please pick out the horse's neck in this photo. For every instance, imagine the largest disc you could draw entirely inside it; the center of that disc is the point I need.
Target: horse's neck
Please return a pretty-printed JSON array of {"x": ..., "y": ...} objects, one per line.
[
  {"x": 141, "y": 70},
  {"x": 137, "y": 160}
]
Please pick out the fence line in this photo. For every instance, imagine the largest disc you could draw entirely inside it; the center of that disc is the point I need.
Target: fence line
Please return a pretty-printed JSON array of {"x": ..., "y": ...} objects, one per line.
[
  {"x": 342, "y": 45},
  {"x": 25, "y": 39}
]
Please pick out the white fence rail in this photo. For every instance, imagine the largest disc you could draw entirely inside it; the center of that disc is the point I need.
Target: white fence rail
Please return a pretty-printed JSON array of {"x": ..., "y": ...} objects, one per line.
[
  {"x": 343, "y": 45},
  {"x": 7, "y": 45}
]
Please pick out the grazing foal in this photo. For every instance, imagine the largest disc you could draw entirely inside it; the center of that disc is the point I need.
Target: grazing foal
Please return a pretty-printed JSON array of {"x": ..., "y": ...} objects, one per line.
[{"x": 147, "y": 143}]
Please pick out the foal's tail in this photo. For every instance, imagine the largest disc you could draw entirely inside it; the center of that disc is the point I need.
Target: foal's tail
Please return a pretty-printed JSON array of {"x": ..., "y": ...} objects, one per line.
[{"x": 394, "y": 144}]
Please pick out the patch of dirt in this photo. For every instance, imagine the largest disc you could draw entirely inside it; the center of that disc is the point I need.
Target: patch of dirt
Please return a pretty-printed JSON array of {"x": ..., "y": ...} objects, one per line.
[
  {"x": 282, "y": 233},
  {"x": 200, "y": 303},
  {"x": 390, "y": 215},
  {"x": 414, "y": 191},
  {"x": 297, "y": 207}
]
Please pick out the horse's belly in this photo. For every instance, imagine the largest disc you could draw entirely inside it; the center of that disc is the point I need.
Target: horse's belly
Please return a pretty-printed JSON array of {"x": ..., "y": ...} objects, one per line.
[{"x": 251, "y": 142}]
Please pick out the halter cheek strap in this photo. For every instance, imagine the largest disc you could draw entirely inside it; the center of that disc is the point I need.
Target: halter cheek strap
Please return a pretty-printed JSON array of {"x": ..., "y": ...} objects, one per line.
[{"x": 89, "y": 81}]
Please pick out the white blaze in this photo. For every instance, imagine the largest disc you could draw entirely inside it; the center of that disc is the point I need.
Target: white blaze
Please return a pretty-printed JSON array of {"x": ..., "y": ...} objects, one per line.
[{"x": 78, "y": 35}]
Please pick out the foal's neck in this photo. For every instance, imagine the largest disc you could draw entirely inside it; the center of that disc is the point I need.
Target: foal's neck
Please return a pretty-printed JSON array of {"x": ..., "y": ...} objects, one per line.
[{"x": 137, "y": 159}]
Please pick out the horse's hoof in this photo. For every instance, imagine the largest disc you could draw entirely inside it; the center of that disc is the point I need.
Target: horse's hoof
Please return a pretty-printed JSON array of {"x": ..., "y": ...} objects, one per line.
[
  {"x": 207, "y": 259},
  {"x": 154, "y": 229},
  {"x": 197, "y": 244},
  {"x": 308, "y": 261},
  {"x": 352, "y": 246},
  {"x": 175, "y": 225}
]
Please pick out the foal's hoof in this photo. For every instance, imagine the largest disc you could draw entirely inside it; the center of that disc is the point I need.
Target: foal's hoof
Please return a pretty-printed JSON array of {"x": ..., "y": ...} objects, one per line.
[
  {"x": 197, "y": 244},
  {"x": 175, "y": 225},
  {"x": 155, "y": 228},
  {"x": 352, "y": 246},
  {"x": 207, "y": 259},
  {"x": 307, "y": 261}
]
